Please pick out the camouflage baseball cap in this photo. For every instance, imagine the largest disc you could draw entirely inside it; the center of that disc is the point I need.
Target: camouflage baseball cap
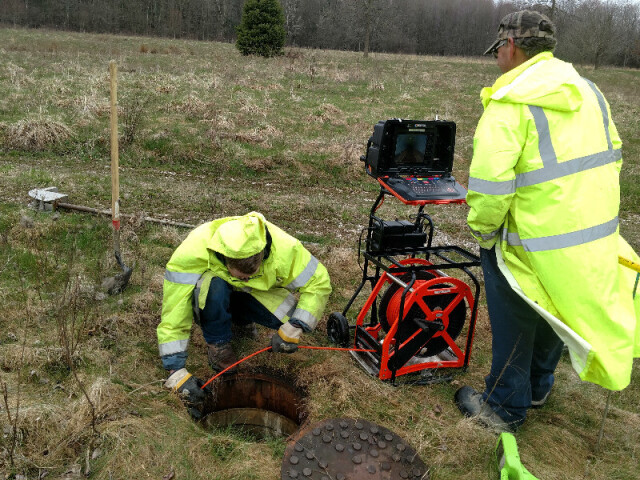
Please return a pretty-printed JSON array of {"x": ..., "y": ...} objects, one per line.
[{"x": 523, "y": 24}]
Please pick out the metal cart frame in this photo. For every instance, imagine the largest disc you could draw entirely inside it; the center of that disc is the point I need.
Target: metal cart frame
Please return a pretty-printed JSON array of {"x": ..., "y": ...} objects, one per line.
[{"x": 420, "y": 271}]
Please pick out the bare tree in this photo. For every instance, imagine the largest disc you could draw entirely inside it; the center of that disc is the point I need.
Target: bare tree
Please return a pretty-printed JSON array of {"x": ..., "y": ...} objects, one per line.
[
  {"x": 595, "y": 31},
  {"x": 292, "y": 19},
  {"x": 629, "y": 27},
  {"x": 368, "y": 12}
]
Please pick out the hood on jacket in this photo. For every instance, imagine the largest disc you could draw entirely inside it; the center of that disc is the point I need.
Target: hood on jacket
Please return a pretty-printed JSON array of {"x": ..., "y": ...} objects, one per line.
[
  {"x": 240, "y": 237},
  {"x": 541, "y": 81}
]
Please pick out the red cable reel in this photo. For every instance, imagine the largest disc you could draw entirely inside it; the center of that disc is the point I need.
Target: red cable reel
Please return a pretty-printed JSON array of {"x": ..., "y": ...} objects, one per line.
[{"x": 435, "y": 312}]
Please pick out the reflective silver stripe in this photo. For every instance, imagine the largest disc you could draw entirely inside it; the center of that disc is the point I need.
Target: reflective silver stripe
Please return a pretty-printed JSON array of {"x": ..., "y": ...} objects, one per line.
[
  {"x": 305, "y": 317},
  {"x": 603, "y": 107},
  {"x": 511, "y": 238},
  {"x": 196, "y": 290},
  {"x": 286, "y": 308},
  {"x": 547, "y": 152},
  {"x": 546, "y": 173},
  {"x": 569, "y": 167},
  {"x": 552, "y": 169},
  {"x": 492, "y": 188},
  {"x": 176, "y": 346},
  {"x": 195, "y": 304},
  {"x": 305, "y": 275},
  {"x": 484, "y": 236},
  {"x": 181, "y": 277},
  {"x": 563, "y": 240}
]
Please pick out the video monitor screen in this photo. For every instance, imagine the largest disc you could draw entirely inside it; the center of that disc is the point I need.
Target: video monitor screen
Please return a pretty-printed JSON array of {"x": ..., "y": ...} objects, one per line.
[{"x": 410, "y": 148}]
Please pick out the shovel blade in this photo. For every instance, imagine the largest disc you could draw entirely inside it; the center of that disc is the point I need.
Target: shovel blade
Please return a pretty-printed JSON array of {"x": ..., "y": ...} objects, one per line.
[{"x": 117, "y": 283}]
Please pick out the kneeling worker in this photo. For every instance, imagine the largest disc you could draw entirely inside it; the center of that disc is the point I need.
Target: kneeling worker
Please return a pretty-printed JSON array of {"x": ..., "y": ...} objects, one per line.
[{"x": 237, "y": 270}]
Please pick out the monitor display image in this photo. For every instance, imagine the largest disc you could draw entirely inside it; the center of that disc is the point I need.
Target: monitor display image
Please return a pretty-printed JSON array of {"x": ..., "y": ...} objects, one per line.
[{"x": 410, "y": 148}]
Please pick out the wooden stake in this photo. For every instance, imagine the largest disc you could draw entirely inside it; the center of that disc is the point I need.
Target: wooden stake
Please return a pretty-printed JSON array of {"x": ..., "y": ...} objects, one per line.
[
  {"x": 115, "y": 175},
  {"x": 115, "y": 178}
]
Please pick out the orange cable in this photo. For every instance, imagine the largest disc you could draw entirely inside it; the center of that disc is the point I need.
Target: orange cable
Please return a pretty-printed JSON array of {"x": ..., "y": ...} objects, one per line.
[
  {"x": 269, "y": 348},
  {"x": 337, "y": 348}
]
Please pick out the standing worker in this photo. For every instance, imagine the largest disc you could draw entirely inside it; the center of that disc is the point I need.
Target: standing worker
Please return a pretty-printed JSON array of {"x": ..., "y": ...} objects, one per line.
[
  {"x": 544, "y": 197},
  {"x": 237, "y": 270}
]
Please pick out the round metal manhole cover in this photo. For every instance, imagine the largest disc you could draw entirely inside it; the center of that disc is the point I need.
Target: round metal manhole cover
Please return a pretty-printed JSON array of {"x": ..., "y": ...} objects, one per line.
[{"x": 349, "y": 449}]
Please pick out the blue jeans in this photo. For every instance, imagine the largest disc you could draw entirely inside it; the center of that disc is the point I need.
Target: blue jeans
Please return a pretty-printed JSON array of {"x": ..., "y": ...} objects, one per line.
[
  {"x": 224, "y": 306},
  {"x": 525, "y": 348}
]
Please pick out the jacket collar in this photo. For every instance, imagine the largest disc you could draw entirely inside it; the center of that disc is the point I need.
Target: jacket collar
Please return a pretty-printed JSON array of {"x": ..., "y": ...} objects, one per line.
[{"x": 512, "y": 77}]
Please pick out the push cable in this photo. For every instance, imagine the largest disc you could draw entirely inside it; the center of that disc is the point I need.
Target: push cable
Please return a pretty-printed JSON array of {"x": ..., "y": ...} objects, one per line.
[{"x": 309, "y": 347}]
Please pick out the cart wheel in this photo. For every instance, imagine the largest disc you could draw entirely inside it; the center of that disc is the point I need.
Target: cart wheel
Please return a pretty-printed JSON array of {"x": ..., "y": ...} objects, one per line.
[{"x": 338, "y": 329}]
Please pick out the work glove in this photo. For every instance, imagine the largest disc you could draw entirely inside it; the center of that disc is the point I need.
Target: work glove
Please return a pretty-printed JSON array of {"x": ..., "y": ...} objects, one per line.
[
  {"x": 189, "y": 389},
  {"x": 286, "y": 339}
]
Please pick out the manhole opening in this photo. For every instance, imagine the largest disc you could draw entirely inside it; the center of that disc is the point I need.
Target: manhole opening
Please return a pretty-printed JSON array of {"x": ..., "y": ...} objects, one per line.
[{"x": 261, "y": 405}]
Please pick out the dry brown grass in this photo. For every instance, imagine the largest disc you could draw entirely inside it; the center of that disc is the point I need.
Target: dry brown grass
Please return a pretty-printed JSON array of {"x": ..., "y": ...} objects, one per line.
[
  {"x": 17, "y": 355},
  {"x": 36, "y": 134}
]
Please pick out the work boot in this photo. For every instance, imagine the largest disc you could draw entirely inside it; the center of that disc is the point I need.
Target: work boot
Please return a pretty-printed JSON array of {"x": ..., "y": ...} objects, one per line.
[
  {"x": 221, "y": 356},
  {"x": 248, "y": 331},
  {"x": 539, "y": 403},
  {"x": 471, "y": 404}
]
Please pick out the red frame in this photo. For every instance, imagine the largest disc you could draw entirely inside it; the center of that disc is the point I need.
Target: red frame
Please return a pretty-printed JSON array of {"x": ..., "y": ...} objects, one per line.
[
  {"x": 417, "y": 202},
  {"x": 462, "y": 291}
]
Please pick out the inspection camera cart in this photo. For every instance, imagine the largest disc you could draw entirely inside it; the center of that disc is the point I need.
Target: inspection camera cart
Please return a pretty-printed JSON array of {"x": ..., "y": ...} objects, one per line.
[{"x": 415, "y": 324}]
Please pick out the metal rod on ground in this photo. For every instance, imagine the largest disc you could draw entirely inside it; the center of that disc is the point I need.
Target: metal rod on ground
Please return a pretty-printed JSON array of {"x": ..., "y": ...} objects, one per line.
[
  {"x": 48, "y": 199},
  {"x": 96, "y": 211}
]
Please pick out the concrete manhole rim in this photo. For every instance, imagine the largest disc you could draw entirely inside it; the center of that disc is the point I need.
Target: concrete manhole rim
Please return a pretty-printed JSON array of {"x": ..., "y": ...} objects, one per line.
[{"x": 263, "y": 403}]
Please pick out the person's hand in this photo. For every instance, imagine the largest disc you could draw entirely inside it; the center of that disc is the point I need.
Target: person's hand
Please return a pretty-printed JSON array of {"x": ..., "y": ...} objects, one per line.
[
  {"x": 189, "y": 389},
  {"x": 286, "y": 339},
  {"x": 279, "y": 345}
]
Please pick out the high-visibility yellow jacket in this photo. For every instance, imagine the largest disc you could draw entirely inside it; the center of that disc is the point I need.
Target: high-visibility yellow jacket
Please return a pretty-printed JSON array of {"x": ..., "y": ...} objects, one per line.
[
  {"x": 544, "y": 188},
  {"x": 288, "y": 268}
]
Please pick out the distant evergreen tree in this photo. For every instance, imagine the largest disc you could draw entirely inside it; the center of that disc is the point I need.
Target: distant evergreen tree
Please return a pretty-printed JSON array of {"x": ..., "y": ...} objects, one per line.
[{"x": 261, "y": 30}]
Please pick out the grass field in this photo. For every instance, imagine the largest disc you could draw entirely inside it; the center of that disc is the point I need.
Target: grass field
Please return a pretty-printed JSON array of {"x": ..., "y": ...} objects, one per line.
[{"x": 207, "y": 133}]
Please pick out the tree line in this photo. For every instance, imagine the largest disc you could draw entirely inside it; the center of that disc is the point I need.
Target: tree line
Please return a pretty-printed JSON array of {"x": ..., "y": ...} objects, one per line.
[{"x": 589, "y": 31}]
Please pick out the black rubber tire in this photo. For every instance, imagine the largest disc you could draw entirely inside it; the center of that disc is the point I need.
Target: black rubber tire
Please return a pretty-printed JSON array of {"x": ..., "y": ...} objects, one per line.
[{"x": 338, "y": 329}]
